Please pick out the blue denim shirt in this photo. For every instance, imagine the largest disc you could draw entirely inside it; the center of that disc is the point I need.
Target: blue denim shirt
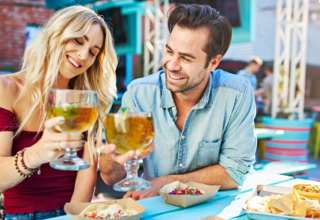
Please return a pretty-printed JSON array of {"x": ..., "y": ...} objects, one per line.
[{"x": 218, "y": 130}]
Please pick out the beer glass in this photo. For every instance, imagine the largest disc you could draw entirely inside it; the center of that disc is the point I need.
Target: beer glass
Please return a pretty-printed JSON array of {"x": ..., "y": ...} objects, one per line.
[
  {"x": 79, "y": 109},
  {"x": 130, "y": 131}
]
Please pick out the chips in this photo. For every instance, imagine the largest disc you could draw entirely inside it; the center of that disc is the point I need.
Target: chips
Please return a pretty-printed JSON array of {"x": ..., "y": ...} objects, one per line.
[
  {"x": 280, "y": 204},
  {"x": 303, "y": 201}
]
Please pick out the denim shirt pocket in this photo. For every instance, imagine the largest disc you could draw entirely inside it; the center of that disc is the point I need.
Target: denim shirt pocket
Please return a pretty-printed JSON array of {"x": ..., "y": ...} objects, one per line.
[{"x": 208, "y": 153}]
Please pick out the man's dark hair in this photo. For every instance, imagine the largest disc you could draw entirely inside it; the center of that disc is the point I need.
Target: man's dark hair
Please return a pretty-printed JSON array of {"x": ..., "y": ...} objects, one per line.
[{"x": 195, "y": 16}]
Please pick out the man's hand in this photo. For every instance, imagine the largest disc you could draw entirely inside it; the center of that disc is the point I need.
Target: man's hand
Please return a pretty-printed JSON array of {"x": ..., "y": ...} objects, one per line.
[
  {"x": 144, "y": 153},
  {"x": 156, "y": 185},
  {"x": 111, "y": 164},
  {"x": 110, "y": 151}
]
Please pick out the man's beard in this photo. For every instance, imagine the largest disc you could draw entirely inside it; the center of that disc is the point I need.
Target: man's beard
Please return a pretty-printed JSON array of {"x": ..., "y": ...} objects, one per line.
[{"x": 183, "y": 89}]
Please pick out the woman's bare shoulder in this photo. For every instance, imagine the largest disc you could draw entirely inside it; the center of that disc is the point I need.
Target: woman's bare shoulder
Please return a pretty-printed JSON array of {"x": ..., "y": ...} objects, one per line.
[{"x": 10, "y": 86}]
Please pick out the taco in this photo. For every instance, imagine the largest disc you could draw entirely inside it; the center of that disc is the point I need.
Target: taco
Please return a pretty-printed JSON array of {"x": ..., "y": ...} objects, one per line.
[{"x": 309, "y": 191}]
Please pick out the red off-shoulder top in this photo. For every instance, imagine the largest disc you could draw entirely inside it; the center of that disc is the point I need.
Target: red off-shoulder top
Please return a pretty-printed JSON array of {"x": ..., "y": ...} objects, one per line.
[{"x": 48, "y": 191}]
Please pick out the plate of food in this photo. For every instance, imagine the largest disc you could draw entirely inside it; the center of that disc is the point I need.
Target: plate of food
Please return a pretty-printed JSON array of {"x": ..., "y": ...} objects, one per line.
[
  {"x": 187, "y": 194},
  {"x": 273, "y": 202},
  {"x": 123, "y": 209}
]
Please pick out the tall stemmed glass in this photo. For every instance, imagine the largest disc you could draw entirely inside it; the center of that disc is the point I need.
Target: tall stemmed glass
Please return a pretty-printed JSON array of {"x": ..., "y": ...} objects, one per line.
[
  {"x": 79, "y": 109},
  {"x": 130, "y": 131}
]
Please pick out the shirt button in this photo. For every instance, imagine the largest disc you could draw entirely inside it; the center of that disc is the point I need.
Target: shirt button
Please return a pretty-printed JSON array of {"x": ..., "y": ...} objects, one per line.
[
  {"x": 183, "y": 137},
  {"x": 180, "y": 165}
]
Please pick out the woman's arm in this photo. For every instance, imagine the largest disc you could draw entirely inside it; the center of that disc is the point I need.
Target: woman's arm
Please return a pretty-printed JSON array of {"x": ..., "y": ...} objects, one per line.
[
  {"x": 86, "y": 180},
  {"x": 50, "y": 147},
  {"x": 8, "y": 174}
]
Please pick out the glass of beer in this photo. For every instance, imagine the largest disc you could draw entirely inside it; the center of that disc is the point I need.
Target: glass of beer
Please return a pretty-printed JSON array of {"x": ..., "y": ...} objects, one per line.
[
  {"x": 79, "y": 109},
  {"x": 130, "y": 131}
]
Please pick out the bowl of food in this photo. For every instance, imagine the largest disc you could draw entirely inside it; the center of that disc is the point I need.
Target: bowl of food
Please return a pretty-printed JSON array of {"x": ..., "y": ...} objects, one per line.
[
  {"x": 187, "y": 194},
  {"x": 123, "y": 209}
]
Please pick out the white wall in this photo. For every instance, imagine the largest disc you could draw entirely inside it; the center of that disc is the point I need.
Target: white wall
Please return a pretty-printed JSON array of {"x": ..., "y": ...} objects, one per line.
[{"x": 264, "y": 36}]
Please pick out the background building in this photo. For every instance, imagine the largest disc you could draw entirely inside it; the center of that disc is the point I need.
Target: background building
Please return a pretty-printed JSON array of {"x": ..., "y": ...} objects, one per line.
[
  {"x": 18, "y": 21},
  {"x": 262, "y": 43},
  {"x": 253, "y": 33}
]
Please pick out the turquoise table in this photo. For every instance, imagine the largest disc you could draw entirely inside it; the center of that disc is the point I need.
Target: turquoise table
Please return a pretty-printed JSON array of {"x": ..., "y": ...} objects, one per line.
[{"x": 223, "y": 203}]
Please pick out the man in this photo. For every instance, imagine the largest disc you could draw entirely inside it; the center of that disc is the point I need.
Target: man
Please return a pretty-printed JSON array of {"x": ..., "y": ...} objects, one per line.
[
  {"x": 265, "y": 92},
  {"x": 250, "y": 70},
  {"x": 203, "y": 118}
]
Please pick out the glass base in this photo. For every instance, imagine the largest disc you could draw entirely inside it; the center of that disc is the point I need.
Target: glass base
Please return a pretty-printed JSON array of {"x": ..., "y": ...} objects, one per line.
[
  {"x": 74, "y": 164},
  {"x": 131, "y": 184}
]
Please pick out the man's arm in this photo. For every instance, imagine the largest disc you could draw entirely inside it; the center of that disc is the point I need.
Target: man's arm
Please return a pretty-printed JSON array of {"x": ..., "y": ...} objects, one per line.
[
  {"x": 112, "y": 165},
  {"x": 239, "y": 141},
  {"x": 110, "y": 170},
  {"x": 211, "y": 175}
]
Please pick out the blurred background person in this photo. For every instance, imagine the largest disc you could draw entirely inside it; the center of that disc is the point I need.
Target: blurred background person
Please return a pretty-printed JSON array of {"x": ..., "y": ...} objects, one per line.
[
  {"x": 265, "y": 92},
  {"x": 249, "y": 72}
]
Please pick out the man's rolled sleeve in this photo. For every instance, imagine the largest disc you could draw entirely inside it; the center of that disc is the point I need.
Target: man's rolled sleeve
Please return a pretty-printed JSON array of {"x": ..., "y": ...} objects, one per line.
[
  {"x": 239, "y": 141},
  {"x": 236, "y": 169}
]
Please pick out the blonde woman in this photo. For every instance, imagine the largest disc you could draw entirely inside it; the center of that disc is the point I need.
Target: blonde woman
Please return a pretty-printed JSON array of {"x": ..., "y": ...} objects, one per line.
[{"x": 74, "y": 51}]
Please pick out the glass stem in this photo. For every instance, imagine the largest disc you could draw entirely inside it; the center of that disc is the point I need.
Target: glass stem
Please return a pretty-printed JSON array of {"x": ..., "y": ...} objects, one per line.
[
  {"x": 70, "y": 153},
  {"x": 132, "y": 167}
]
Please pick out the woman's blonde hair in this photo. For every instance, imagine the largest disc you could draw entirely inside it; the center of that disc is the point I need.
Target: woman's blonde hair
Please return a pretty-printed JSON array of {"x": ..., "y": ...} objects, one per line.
[{"x": 43, "y": 57}]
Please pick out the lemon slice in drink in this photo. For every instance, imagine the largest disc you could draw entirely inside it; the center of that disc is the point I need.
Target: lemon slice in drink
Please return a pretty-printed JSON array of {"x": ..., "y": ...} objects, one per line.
[{"x": 121, "y": 120}]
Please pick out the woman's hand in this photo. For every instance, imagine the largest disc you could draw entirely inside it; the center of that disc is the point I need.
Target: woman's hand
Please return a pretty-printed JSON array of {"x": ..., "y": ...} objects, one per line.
[{"x": 52, "y": 144}]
